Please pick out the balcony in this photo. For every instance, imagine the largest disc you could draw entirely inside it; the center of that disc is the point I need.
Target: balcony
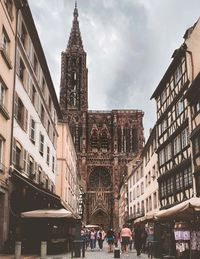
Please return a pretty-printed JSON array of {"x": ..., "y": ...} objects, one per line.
[{"x": 133, "y": 216}]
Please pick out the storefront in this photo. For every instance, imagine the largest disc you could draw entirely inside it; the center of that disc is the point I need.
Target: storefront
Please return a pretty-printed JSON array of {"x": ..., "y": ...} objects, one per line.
[
  {"x": 183, "y": 229},
  {"x": 37, "y": 214}
]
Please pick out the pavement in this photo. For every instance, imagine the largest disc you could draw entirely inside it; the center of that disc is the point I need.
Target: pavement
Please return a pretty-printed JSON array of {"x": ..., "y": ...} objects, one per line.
[{"x": 95, "y": 254}]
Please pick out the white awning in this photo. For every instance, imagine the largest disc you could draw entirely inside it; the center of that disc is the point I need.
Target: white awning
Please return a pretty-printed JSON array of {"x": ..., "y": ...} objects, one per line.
[
  {"x": 60, "y": 213},
  {"x": 184, "y": 210}
]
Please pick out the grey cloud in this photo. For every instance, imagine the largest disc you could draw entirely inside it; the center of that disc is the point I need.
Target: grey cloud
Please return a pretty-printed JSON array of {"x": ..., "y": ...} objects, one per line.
[{"x": 129, "y": 44}]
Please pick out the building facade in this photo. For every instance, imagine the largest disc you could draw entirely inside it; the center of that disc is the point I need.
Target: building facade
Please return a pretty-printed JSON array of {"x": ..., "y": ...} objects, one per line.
[
  {"x": 150, "y": 162},
  {"x": 7, "y": 60},
  {"x": 176, "y": 181},
  {"x": 67, "y": 181},
  {"x": 34, "y": 136},
  {"x": 104, "y": 140}
]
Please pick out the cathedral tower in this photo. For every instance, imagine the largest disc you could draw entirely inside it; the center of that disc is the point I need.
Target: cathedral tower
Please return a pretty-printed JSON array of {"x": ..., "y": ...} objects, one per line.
[{"x": 104, "y": 140}]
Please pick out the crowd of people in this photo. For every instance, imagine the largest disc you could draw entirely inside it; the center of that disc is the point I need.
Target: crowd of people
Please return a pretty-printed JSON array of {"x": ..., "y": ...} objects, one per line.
[{"x": 126, "y": 239}]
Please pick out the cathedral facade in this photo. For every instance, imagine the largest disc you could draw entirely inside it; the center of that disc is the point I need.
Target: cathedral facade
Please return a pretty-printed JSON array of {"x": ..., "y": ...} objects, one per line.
[{"x": 104, "y": 140}]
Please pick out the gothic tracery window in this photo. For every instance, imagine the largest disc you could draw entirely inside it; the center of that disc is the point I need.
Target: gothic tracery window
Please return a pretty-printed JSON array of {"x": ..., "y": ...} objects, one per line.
[
  {"x": 94, "y": 139},
  {"x": 104, "y": 141},
  {"x": 100, "y": 179}
]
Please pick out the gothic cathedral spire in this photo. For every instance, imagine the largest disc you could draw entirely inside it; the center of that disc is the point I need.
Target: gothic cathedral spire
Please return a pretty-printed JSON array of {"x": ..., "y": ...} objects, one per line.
[
  {"x": 73, "y": 88},
  {"x": 75, "y": 40}
]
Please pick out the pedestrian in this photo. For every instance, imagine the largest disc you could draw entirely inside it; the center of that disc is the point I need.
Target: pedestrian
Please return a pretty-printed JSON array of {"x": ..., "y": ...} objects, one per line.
[
  {"x": 144, "y": 239},
  {"x": 92, "y": 236},
  {"x": 131, "y": 240},
  {"x": 116, "y": 238},
  {"x": 126, "y": 234},
  {"x": 138, "y": 239},
  {"x": 110, "y": 239},
  {"x": 100, "y": 238}
]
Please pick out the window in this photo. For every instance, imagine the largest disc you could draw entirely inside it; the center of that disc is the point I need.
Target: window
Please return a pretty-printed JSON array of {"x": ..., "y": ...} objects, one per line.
[
  {"x": 94, "y": 140},
  {"x": 196, "y": 145},
  {"x": 35, "y": 64},
  {"x": 179, "y": 181},
  {"x": 41, "y": 145},
  {"x": 53, "y": 163},
  {"x": 20, "y": 113},
  {"x": 163, "y": 96},
  {"x": 179, "y": 107},
  {"x": 198, "y": 107},
  {"x": 104, "y": 141},
  {"x": 18, "y": 156},
  {"x": 2, "y": 94},
  {"x": 23, "y": 35},
  {"x": 31, "y": 166},
  {"x": 5, "y": 48},
  {"x": 1, "y": 152},
  {"x": 33, "y": 95},
  {"x": 42, "y": 114},
  {"x": 177, "y": 145},
  {"x": 184, "y": 138},
  {"x": 178, "y": 74},
  {"x": 187, "y": 177},
  {"x": 48, "y": 155},
  {"x": 48, "y": 127},
  {"x": 5, "y": 42},
  {"x": 49, "y": 103},
  {"x": 21, "y": 70},
  {"x": 32, "y": 130},
  {"x": 130, "y": 196}
]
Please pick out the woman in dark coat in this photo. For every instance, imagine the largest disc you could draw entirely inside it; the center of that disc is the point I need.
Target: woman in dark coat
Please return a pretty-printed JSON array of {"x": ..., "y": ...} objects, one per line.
[{"x": 138, "y": 239}]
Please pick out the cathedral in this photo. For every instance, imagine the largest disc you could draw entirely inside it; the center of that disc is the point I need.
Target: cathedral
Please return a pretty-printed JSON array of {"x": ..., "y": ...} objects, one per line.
[{"x": 105, "y": 141}]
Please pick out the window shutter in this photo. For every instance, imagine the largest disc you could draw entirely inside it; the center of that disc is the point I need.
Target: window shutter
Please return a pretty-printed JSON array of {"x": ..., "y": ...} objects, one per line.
[
  {"x": 22, "y": 158},
  {"x": 14, "y": 151},
  {"x": 25, "y": 161},
  {"x": 25, "y": 119},
  {"x": 17, "y": 62},
  {"x": 19, "y": 25},
  {"x": 26, "y": 80}
]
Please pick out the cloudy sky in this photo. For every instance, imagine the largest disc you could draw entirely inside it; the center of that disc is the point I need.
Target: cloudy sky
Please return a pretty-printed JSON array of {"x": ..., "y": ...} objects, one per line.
[{"x": 129, "y": 44}]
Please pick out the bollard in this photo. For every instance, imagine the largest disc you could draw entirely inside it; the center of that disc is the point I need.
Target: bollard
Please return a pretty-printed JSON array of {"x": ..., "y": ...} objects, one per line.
[
  {"x": 43, "y": 250},
  {"x": 18, "y": 248}
]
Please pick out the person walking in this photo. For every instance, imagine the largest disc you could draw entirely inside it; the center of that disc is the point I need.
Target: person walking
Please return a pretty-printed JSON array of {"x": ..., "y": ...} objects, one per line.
[
  {"x": 138, "y": 239},
  {"x": 100, "y": 238},
  {"x": 110, "y": 240},
  {"x": 126, "y": 235},
  {"x": 92, "y": 238}
]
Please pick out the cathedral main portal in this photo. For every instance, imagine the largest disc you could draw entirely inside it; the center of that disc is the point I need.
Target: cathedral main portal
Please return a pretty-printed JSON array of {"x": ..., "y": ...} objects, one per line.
[{"x": 100, "y": 196}]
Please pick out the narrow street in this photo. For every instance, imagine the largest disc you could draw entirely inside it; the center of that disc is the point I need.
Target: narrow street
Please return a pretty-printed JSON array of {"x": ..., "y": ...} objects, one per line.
[{"x": 96, "y": 254}]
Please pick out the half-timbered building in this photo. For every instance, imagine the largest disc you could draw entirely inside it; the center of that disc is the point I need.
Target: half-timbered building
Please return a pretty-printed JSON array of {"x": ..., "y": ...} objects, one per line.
[{"x": 174, "y": 150}]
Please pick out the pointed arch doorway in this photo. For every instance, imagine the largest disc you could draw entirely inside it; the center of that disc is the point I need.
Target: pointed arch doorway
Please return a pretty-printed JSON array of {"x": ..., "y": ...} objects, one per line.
[{"x": 100, "y": 197}]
